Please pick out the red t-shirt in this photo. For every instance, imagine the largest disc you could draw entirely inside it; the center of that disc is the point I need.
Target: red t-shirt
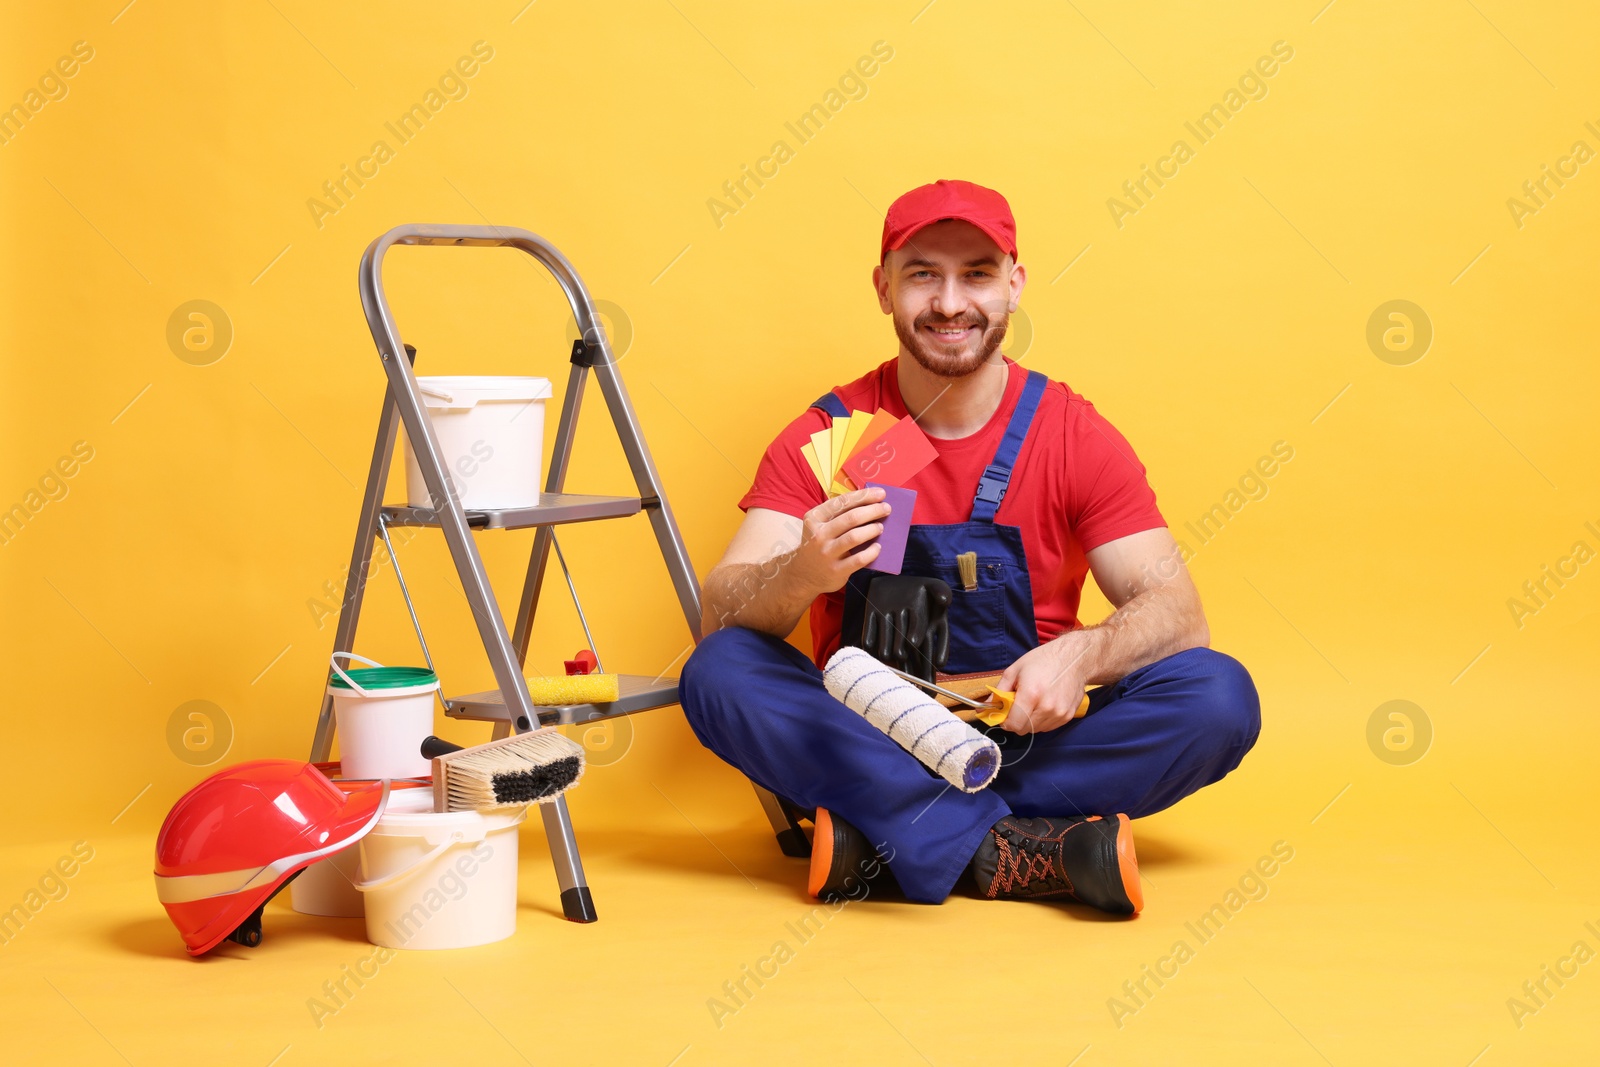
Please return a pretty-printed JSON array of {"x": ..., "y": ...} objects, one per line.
[{"x": 1077, "y": 484}]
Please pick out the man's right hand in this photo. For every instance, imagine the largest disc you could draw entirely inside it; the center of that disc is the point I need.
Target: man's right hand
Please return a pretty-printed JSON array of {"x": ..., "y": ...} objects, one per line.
[
  {"x": 776, "y": 565},
  {"x": 833, "y": 530}
]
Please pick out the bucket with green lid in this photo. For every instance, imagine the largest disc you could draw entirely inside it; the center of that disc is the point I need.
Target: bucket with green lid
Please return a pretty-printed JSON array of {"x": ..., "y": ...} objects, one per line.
[{"x": 383, "y": 715}]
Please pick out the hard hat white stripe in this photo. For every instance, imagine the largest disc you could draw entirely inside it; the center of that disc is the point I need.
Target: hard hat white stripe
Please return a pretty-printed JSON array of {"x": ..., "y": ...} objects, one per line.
[{"x": 184, "y": 888}]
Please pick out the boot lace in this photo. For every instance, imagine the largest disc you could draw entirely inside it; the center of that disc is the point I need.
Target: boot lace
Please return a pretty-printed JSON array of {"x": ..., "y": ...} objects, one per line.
[{"x": 1026, "y": 863}]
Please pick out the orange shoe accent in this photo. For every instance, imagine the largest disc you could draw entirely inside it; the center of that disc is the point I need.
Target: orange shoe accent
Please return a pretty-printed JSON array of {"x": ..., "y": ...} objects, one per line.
[
  {"x": 1129, "y": 864},
  {"x": 821, "y": 852}
]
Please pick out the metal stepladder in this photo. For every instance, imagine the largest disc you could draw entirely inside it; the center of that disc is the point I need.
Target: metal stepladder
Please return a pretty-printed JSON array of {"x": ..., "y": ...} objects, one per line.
[{"x": 509, "y": 707}]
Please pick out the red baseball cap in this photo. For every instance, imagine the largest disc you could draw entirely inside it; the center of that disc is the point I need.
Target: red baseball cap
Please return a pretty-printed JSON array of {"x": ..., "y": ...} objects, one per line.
[{"x": 948, "y": 199}]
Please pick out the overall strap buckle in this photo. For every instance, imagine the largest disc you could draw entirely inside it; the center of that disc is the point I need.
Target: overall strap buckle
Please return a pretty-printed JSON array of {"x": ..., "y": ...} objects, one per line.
[
  {"x": 992, "y": 486},
  {"x": 997, "y": 475}
]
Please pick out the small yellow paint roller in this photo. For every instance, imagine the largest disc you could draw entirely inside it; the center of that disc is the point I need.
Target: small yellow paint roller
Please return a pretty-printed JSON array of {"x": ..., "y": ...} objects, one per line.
[{"x": 573, "y": 689}]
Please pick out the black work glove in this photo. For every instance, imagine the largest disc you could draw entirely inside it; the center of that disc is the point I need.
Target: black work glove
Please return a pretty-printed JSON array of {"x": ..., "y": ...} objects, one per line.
[{"x": 907, "y": 623}]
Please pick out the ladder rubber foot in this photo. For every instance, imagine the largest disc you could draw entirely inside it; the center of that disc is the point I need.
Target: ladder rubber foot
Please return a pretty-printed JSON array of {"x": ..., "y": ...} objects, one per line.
[
  {"x": 578, "y": 904},
  {"x": 793, "y": 842}
]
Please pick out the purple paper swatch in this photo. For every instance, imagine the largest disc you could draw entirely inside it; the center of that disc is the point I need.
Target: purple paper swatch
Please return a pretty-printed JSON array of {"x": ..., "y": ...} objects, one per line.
[{"x": 896, "y": 528}]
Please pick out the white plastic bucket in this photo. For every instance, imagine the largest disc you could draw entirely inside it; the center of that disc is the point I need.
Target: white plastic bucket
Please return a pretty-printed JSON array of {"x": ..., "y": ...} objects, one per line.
[
  {"x": 441, "y": 880},
  {"x": 491, "y": 439},
  {"x": 382, "y": 722},
  {"x": 327, "y": 887}
]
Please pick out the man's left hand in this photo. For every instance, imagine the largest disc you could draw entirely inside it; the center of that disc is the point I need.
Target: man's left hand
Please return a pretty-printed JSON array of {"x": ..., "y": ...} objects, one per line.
[{"x": 1049, "y": 683}]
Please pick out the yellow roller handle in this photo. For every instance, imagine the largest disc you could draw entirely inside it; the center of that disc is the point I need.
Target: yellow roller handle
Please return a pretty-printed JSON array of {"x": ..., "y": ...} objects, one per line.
[{"x": 1002, "y": 707}]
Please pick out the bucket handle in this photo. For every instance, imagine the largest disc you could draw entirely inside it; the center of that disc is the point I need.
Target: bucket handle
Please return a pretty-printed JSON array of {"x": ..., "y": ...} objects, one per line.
[
  {"x": 399, "y": 875},
  {"x": 451, "y": 401},
  {"x": 456, "y": 837},
  {"x": 333, "y": 661}
]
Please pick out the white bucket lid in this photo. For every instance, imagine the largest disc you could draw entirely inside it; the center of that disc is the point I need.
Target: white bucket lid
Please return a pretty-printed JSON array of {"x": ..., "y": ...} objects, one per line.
[{"x": 466, "y": 390}]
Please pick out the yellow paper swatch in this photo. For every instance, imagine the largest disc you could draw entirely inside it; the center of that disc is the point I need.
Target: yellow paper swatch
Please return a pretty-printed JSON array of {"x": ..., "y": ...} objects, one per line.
[
  {"x": 822, "y": 441},
  {"x": 836, "y": 444},
  {"x": 809, "y": 451},
  {"x": 859, "y": 420},
  {"x": 858, "y": 423}
]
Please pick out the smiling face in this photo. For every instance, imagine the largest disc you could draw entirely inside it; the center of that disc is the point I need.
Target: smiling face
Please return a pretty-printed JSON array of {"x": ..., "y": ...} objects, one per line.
[{"x": 951, "y": 291}]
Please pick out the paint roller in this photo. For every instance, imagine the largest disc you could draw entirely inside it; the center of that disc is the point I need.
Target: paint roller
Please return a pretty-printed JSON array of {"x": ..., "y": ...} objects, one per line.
[{"x": 928, "y": 730}]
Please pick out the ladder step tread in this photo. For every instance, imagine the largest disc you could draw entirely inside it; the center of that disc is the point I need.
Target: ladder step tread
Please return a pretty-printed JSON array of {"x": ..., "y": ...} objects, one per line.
[
  {"x": 553, "y": 509},
  {"x": 637, "y": 692}
]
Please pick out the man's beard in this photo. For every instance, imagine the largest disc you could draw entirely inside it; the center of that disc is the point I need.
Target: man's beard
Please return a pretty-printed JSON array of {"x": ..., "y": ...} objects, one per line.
[{"x": 944, "y": 361}]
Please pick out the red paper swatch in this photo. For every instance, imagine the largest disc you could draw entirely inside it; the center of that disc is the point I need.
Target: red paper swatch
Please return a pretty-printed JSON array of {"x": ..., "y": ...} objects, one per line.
[{"x": 892, "y": 459}]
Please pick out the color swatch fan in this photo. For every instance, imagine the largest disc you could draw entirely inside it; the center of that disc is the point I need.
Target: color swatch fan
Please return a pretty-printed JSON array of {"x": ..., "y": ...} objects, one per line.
[
  {"x": 876, "y": 450},
  {"x": 864, "y": 448}
]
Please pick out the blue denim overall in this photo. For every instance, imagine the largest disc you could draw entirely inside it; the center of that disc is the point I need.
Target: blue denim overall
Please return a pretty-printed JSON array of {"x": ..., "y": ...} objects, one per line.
[{"x": 993, "y": 624}]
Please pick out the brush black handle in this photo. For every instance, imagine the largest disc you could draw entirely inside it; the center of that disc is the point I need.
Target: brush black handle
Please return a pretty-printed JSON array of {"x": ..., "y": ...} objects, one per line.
[{"x": 434, "y": 747}]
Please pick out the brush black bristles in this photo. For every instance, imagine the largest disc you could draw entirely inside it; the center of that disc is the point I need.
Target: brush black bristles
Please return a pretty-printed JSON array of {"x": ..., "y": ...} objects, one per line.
[
  {"x": 512, "y": 772},
  {"x": 536, "y": 783}
]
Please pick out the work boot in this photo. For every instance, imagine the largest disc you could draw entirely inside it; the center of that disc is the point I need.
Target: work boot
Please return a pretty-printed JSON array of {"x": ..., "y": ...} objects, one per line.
[
  {"x": 844, "y": 865},
  {"x": 1088, "y": 859}
]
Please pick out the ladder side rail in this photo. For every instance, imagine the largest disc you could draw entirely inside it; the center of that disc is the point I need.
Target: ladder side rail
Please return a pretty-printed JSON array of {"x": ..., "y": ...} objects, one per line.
[
  {"x": 589, "y": 326},
  {"x": 425, "y": 446}
]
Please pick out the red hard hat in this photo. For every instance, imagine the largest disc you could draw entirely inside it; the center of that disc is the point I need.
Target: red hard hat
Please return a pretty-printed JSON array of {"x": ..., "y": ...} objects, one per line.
[{"x": 232, "y": 841}]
